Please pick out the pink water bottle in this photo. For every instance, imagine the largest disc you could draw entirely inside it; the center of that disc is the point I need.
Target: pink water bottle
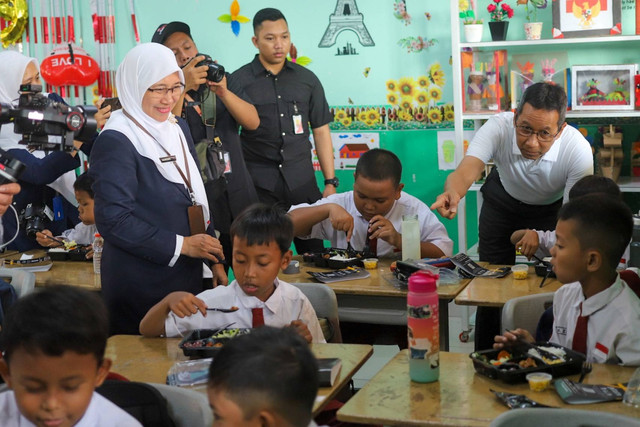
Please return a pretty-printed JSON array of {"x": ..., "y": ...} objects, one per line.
[{"x": 423, "y": 327}]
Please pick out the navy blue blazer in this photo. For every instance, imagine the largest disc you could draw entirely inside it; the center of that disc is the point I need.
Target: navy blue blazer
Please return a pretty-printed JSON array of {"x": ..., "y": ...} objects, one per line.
[{"x": 139, "y": 213}]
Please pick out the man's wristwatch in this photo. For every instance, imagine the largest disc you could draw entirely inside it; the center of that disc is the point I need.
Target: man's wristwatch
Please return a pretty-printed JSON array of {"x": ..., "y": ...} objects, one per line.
[{"x": 333, "y": 181}]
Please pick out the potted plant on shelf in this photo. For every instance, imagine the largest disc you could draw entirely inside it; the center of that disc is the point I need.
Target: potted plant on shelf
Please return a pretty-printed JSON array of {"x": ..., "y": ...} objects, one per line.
[
  {"x": 533, "y": 28},
  {"x": 500, "y": 12},
  {"x": 472, "y": 25}
]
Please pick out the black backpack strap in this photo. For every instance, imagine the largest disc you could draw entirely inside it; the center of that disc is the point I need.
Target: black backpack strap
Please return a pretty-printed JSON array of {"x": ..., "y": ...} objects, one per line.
[{"x": 142, "y": 401}]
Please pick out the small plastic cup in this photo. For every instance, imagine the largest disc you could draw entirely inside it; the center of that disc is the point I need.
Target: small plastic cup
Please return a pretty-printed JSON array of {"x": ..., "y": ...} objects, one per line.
[
  {"x": 632, "y": 395},
  {"x": 370, "y": 263},
  {"x": 520, "y": 271},
  {"x": 539, "y": 381}
]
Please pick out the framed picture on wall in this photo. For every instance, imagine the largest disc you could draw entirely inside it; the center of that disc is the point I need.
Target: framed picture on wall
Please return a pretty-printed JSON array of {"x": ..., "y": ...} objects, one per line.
[
  {"x": 586, "y": 18},
  {"x": 603, "y": 87}
]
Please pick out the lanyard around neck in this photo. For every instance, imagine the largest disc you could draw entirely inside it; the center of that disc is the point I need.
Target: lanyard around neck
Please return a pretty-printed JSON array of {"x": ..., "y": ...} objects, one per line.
[{"x": 172, "y": 158}]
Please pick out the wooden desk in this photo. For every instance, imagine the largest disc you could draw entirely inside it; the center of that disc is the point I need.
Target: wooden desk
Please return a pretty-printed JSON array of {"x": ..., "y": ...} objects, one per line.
[
  {"x": 375, "y": 299},
  {"x": 460, "y": 398},
  {"x": 496, "y": 292},
  {"x": 149, "y": 360}
]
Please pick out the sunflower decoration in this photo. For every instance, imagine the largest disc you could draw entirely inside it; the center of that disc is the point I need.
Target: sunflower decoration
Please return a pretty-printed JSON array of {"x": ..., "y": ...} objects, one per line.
[
  {"x": 423, "y": 81},
  {"x": 435, "y": 93},
  {"x": 346, "y": 122},
  {"x": 448, "y": 113},
  {"x": 362, "y": 116},
  {"x": 392, "y": 98},
  {"x": 436, "y": 74},
  {"x": 420, "y": 117},
  {"x": 422, "y": 97},
  {"x": 435, "y": 115},
  {"x": 372, "y": 115},
  {"x": 392, "y": 85},
  {"x": 406, "y": 103},
  {"x": 404, "y": 116},
  {"x": 339, "y": 115},
  {"x": 407, "y": 86}
]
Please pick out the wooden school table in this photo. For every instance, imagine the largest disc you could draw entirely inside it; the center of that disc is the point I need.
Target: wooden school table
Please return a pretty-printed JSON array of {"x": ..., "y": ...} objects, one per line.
[
  {"x": 460, "y": 398},
  {"x": 496, "y": 292},
  {"x": 375, "y": 300},
  {"x": 149, "y": 360}
]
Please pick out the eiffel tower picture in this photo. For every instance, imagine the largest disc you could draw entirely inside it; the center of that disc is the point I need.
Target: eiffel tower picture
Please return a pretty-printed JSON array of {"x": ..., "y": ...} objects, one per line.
[{"x": 346, "y": 17}]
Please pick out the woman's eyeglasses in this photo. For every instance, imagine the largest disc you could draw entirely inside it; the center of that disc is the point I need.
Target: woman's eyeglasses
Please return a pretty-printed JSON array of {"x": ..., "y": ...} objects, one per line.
[
  {"x": 163, "y": 91},
  {"x": 542, "y": 135}
]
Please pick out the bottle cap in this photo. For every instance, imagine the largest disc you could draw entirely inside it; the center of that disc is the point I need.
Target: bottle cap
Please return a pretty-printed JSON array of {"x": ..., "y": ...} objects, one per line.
[
  {"x": 97, "y": 235},
  {"x": 423, "y": 281}
]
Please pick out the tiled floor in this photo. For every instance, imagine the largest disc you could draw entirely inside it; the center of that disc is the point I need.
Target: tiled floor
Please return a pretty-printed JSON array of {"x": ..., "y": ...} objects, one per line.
[{"x": 383, "y": 353}]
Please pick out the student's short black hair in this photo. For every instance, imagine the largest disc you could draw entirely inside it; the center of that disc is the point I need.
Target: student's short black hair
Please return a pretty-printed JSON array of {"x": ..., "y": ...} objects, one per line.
[
  {"x": 270, "y": 368},
  {"x": 545, "y": 96},
  {"x": 266, "y": 14},
  {"x": 378, "y": 165},
  {"x": 594, "y": 184},
  {"x": 54, "y": 320},
  {"x": 84, "y": 183},
  {"x": 261, "y": 224},
  {"x": 604, "y": 223}
]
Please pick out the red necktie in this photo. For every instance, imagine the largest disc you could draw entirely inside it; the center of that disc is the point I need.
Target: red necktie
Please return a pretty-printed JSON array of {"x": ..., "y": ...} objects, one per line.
[
  {"x": 580, "y": 334},
  {"x": 257, "y": 317}
]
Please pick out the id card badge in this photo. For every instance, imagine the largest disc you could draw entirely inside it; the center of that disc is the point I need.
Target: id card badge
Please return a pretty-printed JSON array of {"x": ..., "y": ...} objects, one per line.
[
  {"x": 297, "y": 124},
  {"x": 196, "y": 219},
  {"x": 58, "y": 212},
  {"x": 227, "y": 162}
]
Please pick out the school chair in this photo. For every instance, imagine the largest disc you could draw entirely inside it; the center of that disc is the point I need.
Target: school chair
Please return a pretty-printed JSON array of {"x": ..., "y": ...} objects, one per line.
[
  {"x": 187, "y": 408},
  {"x": 324, "y": 302},
  {"x": 524, "y": 312},
  {"x": 22, "y": 281},
  {"x": 535, "y": 417}
]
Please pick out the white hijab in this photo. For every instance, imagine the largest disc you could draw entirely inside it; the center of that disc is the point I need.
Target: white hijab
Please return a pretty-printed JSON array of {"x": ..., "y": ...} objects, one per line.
[
  {"x": 142, "y": 67},
  {"x": 12, "y": 68}
]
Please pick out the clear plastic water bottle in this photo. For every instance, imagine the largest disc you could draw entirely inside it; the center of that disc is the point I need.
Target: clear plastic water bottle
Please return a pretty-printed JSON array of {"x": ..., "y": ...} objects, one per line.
[
  {"x": 98, "y": 243},
  {"x": 423, "y": 327},
  {"x": 634, "y": 260},
  {"x": 410, "y": 237}
]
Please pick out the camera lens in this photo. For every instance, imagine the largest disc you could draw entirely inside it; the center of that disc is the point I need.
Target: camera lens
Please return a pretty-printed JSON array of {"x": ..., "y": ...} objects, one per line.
[
  {"x": 34, "y": 225},
  {"x": 215, "y": 73}
]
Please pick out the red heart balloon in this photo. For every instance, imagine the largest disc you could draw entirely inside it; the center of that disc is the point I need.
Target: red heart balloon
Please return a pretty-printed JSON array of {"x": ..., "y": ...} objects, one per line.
[{"x": 69, "y": 66}]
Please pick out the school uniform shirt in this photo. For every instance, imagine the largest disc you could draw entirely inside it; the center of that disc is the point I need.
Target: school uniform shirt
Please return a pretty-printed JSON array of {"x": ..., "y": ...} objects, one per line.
[
  {"x": 613, "y": 335},
  {"x": 286, "y": 304},
  {"x": 535, "y": 182},
  {"x": 431, "y": 229},
  {"x": 82, "y": 234},
  {"x": 101, "y": 412},
  {"x": 547, "y": 240}
]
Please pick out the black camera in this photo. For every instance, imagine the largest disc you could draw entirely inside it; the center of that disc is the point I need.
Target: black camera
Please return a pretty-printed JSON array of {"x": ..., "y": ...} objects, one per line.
[
  {"x": 34, "y": 217},
  {"x": 40, "y": 120},
  {"x": 10, "y": 168},
  {"x": 215, "y": 72}
]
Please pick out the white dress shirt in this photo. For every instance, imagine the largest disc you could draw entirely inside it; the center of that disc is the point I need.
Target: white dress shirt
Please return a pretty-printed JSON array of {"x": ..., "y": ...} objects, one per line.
[
  {"x": 613, "y": 335},
  {"x": 101, "y": 412},
  {"x": 431, "y": 229},
  {"x": 81, "y": 233},
  {"x": 535, "y": 182},
  {"x": 286, "y": 304}
]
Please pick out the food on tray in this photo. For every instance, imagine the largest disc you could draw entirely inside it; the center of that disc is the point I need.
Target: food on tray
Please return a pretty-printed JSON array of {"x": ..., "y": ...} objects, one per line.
[
  {"x": 527, "y": 363},
  {"x": 550, "y": 355},
  {"x": 216, "y": 340},
  {"x": 503, "y": 357},
  {"x": 70, "y": 245},
  {"x": 228, "y": 333}
]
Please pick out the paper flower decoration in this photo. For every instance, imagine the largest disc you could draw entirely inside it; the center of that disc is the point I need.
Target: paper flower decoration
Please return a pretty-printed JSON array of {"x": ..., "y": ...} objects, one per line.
[
  {"x": 300, "y": 60},
  {"x": 234, "y": 18}
]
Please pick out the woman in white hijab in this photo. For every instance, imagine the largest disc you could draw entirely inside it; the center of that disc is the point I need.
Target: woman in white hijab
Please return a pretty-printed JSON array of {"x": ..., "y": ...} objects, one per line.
[
  {"x": 45, "y": 175},
  {"x": 150, "y": 203}
]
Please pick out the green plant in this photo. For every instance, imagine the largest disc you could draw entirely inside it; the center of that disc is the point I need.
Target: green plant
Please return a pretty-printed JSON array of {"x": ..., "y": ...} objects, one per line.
[
  {"x": 531, "y": 7},
  {"x": 467, "y": 14}
]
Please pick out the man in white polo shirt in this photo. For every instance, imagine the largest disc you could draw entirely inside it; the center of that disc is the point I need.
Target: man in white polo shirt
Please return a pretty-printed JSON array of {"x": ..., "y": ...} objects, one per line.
[{"x": 537, "y": 160}]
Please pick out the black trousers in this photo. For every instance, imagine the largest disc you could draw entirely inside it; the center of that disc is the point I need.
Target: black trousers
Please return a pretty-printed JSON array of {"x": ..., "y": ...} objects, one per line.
[
  {"x": 285, "y": 198},
  {"x": 500, "y": 216}
]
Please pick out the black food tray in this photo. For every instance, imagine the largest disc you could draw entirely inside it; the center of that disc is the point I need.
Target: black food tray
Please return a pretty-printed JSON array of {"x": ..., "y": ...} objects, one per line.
[
  {"x": 322, "y": 259},
  {"x": 571, "y": 365},
  {"x": 544, "y": 269},
  {"x": 78, "y": 254},
  {"x": 199, "y": 344}
]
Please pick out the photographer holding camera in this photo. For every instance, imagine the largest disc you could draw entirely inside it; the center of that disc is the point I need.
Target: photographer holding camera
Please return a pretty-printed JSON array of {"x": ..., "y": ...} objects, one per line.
[
  {"x": 207, "y": 98},
  {"x": 45, "y": 177}
]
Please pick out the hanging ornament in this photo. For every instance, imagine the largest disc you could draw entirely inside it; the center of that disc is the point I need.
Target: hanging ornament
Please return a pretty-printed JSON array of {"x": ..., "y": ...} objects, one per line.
[
  {"x": 300, "y": 60},
  {"x": 69, "y": 65},
  {"x": 17, "y": 12},
  {"x": 234, "y": 18}
]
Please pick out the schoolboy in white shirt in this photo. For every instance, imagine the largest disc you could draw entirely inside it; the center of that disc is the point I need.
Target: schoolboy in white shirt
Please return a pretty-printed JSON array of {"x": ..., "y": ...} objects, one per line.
[
  {"x": 54, "y": 342},
  {"x": 373, "y": 210},
  {"x": 595, "y": 312},
  {"x": 261, "y": 239}
]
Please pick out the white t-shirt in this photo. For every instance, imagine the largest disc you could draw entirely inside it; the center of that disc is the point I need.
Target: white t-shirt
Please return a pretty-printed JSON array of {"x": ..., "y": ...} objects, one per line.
[
  {"x": 431, "y": 229},
  {"x": 613, "y": 335},
  {"x": 535, "y": 182},
  {"x": 286, "y": 304},
  {"x": 81, "y": 233},
  {"x": 101, "y": 412}
]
